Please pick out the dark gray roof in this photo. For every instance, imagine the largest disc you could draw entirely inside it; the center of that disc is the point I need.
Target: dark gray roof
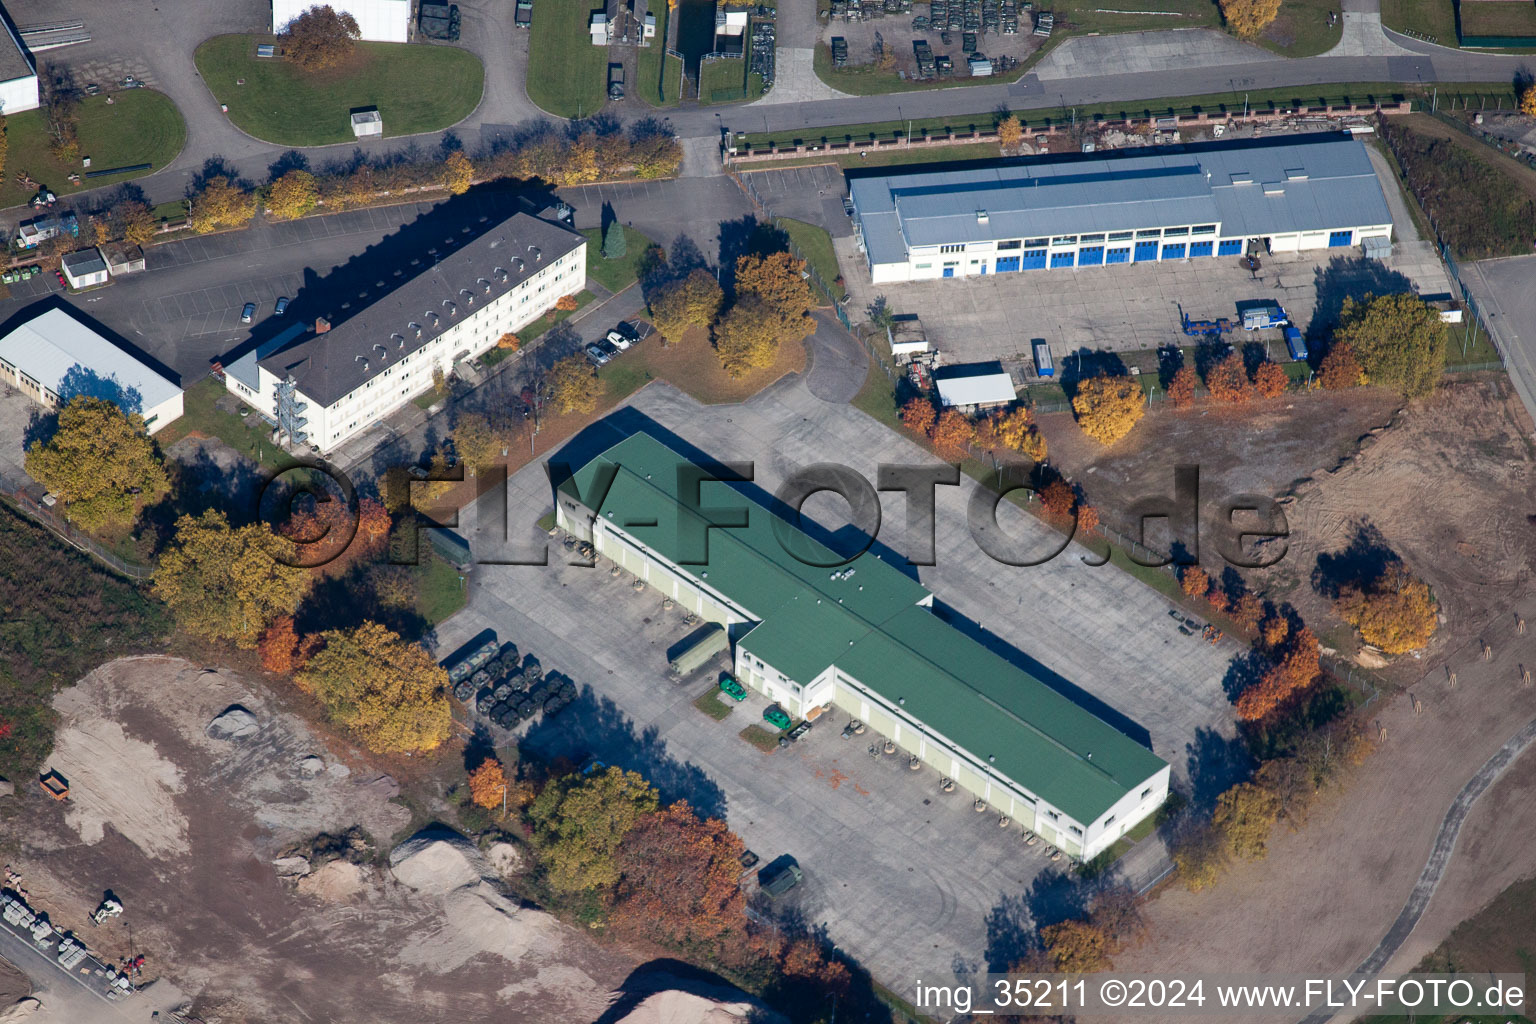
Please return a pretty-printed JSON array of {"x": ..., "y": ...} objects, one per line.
[
  {"x": 14, "y": 62},
  {"x": 86, "y": 261},
  {"x": 1309, "y": 183},
  {"x": 326, "y": 366}
]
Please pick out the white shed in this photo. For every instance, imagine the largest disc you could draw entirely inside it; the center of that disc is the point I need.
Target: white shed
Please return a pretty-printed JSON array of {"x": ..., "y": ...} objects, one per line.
[
  {"x": 378, "y": 21},
  {"x": 599, "y": 29},
  {"x": 974, "y": 386},
  {"x": 367, "y": 122},
  {"x": 84, "y": 269}
]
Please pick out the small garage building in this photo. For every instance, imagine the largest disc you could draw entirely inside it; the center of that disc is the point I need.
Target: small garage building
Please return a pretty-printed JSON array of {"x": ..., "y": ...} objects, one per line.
[{"x": 810, "y": 630}]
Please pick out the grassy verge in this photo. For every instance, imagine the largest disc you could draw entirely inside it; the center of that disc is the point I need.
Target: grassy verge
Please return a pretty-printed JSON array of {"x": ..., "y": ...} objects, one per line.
[
  {"x": 567, "y": 75},
  {"x": 761, "y": 738},
  {"x": 139, "y": 126},
  {"x": 1301, "y": 29},
  {"x": 723, "y": 81},
  {"x": 710, "y": 703},
  {"x": 1491, "y": 18},
  {"x": 202, "y": 417},
  {"x": 1434, "y": 20},
  {"x": 692, "y": 365},
  {"x": 64, "y": 614},
  {"x": 546, "y": 521},
  {"x": 417, "y": 88},
  {"x": 440, "y": 590},
  {"x": 538, "y": 328},
  {"x": 658, "y": 74},
  {"x": 815, "y": 244},
  {"x": 615, "y": 275}
]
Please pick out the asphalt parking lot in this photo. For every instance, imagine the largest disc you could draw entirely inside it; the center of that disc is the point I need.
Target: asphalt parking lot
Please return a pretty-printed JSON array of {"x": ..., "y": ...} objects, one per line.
[
  {"x": 875, "y": 853},
  {"x": 1503, "y": 290}
]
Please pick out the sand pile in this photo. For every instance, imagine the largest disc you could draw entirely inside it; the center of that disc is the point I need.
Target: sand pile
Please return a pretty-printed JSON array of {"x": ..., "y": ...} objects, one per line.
[
  {"x": 436, "y": 861},
  {"x": 675, "y": 1007},
  {"x": 117, "y": 780},
  {"x": 505, "y": 858},
  {"x": 338, "y": 880},
  {"x": 234, "y": 723},
  {"x": 478, "y": 919}
]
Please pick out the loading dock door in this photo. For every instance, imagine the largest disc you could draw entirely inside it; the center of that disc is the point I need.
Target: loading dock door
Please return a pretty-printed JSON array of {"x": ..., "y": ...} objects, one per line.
[
  {"x": 1199, "y": 248},
  {"x": 1146, "y": 251},
  {"x": 1033, "y": 259},
  {"x": 1063, "y": 259},
  {"x": 1120, "y": 254},
  {"x": 1090, "y": 256},
  {"x": 1007, "y": 263}
]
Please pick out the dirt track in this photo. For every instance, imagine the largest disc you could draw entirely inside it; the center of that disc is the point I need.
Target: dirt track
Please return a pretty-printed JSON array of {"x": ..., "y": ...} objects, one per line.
[{"x": 184, "y": 829}]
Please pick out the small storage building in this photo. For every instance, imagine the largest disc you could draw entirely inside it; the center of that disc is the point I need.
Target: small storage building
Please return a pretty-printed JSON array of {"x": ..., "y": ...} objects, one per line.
[
  {"x": 599, "y": 29},
  {"x": 366, "y": 123},
  {"x": 122, "y": 258},
  {"x": 84, "y": 269},
  {"x": 974, "y": 386}
]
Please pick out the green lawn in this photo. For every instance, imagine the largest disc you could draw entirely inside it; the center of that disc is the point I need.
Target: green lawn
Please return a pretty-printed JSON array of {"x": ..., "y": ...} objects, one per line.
[
  {"x": 723, "y": 81},
  {"x": 538, "y": 328},
  {"x": 615, "y": 275},
  {"x": 659, "y": 74},
  {"x": 1495, "y": 18},
  {"x": 761, "y": 738},
  {"x": 247, "y": 434},
  {"x": 815, "y": 245},
  {"x": 139, "y": 126},
  {"x": 1302, "y": 30},
  {"x": 1434, "y": 20},
  {"x": 710, "y": 703},
  {"x": 567, "y": 75},
  {"x": 417, "y": 88},
  {"x": 440, "y": 589},
  {"x": 1080, "y": 16}
]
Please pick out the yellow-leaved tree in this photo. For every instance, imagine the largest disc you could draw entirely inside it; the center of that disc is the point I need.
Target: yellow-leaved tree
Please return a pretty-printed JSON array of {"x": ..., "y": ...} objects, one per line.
[
  {"x": 747, "y": 337},
  {"x": 226, "y": 583},
  {"x": 1394, "y": 612},
  {"x": 573, "y": 385},
  {"x": 1108, "y": 407},
  {"x": 293, "y": 195},
  {"x": 1013, "y": 430},
  {"x": 387, "y": 690},
  {"x": 777, "y": 281},
  {"x": 579, "y": 822},
  {"x": 220, "y": 203},
  {"x": 488, "y": 784},
  {"x": 458, "y": 173},
  {"x": 692, "y": 302},
  {"x": 1249, "y": 17},
  {"x": 1244, "y": 815},
  {"x": 477, "y": 442},
  {"x": 1010, "y": 132},
  {"x": 100, "y": 463},
  {"x": 1528, "y": 100}
]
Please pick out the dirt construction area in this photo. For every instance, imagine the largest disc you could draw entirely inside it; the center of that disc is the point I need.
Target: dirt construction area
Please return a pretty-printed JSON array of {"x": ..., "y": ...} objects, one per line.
[
  {"x": 197, "y": 801},
  {"x": 1446, "y": 487}
]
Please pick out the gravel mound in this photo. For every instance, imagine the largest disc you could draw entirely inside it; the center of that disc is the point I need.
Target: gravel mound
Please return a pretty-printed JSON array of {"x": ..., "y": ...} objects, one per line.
[
  {"x": 311, "y": 765},
  {"x": 436, "y": 861},
  {"x": 505, "y": 858},
  {"x": 334, "y": 882},
  {"x": 291, "y": 867},
  {"x": 235, "y": 723},
  {"x": 676, "y": 1007}
]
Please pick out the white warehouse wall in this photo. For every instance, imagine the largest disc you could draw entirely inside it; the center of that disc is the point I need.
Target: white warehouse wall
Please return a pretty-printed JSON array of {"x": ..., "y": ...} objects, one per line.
[{"x": 18, "y": 94}]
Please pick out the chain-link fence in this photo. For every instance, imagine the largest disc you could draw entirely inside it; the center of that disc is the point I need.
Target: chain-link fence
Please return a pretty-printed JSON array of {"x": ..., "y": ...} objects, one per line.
[
  {"x": 833, "y": 298},
  {"x": 78, "y": 539}
]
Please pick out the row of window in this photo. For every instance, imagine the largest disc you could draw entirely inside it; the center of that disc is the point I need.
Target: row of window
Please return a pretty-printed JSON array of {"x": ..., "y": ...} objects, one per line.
[{"x": 1112, "y": 236}]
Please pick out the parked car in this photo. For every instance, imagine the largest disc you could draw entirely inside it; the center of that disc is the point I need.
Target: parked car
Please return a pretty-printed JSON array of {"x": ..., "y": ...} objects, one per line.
[
  {"x": 281, "y": 307},
  {"x": 617, "y": 339},
  {"x": 248, "y": 313},
  {"x": 776, "y": 717},
  {"x": 634, "y": 332},
  {"x": 596, "y": 354},
  {"x": 733, "y": 689},
  {"x": 782, "y": 880}
]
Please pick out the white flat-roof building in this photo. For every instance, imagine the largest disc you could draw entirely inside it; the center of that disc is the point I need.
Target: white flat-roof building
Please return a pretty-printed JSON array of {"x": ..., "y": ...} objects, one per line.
[
  {"x": 1189, "y": 202},
  {"x": 367, "y": 122},
  {"x": 378, "y": 21},
  {"x": 321, "y": 385},
  {"x": 53, "y": 357},
  {"x": 18, "y": 75},
  {"x": 974, "y": 386}
]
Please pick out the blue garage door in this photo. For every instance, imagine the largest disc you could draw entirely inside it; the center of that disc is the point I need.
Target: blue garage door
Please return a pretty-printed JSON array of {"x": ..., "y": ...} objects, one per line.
[
  {"x": 1340, "y": 238},
  {"x": 1062, "y": 259},
  {"x": 1173, "y": 252},
  {"x": 1034, "y": 259},
  {"x": 1146, "y": 251},
  {"x": 949, "y": 271},
  {"x": 1090, "y": 256},
  {"x": 1199, "y": 248},
  {"x": 1007, "y": 263},
  {"x": 1120, "y": 255},
  {"x": 1230, "y": 247}
]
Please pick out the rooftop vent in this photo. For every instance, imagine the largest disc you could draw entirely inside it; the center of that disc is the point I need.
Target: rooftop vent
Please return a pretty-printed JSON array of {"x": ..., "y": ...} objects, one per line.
[
  {"x": 453, "y": 310},
  {"x": 517, "y": 261},
  {"x": 501, "y": 275},
  {"x": 322, "y": 325},
  {"x": 538, "y": 254},
  {"x": 1295, "y": 174},
  {"x": 485, "y": 283},
  {"x": 399, "y": 339},
  {"x": 416, "y": 327},
  {"x": 384, "y": 357},
  {"x": 981, "y": 216},
  {"x": 434, "y": 318}
]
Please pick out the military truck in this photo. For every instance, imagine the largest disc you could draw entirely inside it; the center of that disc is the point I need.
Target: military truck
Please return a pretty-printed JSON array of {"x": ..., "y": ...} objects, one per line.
[{"x": 440, "y": 21}]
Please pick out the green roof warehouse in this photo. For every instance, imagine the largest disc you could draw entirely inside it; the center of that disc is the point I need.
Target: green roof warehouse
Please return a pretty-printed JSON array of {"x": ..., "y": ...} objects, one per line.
[{"x": 864, "y": 637}]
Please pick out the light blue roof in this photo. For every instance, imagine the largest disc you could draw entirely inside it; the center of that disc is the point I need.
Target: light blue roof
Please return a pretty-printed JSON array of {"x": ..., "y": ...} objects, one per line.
[{"x": 1311, "y": 183}]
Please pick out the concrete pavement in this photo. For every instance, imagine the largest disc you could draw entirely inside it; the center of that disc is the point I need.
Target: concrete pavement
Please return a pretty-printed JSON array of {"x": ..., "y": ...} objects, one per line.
[{"x": 1503, "y": 289}]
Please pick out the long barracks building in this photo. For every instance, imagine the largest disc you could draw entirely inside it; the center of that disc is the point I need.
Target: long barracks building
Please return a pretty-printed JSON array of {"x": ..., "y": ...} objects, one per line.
[
  {"x": 1307, "y": 192},
  {"x": 864, "y": 637}
]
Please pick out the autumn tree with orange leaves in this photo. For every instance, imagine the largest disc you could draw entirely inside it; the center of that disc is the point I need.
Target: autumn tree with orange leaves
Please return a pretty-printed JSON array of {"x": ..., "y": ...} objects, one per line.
[
  {"x": 282, "y": 649},
  {"x": 1181, "y": 389},
  {"x": 952, "y": 434},
  {"x": 1195, "y": 581},
  {"x": 1057, "y": 499},
  {"x": 680, "y": 877},
  {"x": 1396, "y": 612},
  {"x": 322, "y": 526},
  {"x": 1294, "y": 672},
  {"x": 1227, "y": 381},
  {"x": 918, "y": 415},
  {"x": 1269, "y": 380},
  {"x": 488, "y": 784}
]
